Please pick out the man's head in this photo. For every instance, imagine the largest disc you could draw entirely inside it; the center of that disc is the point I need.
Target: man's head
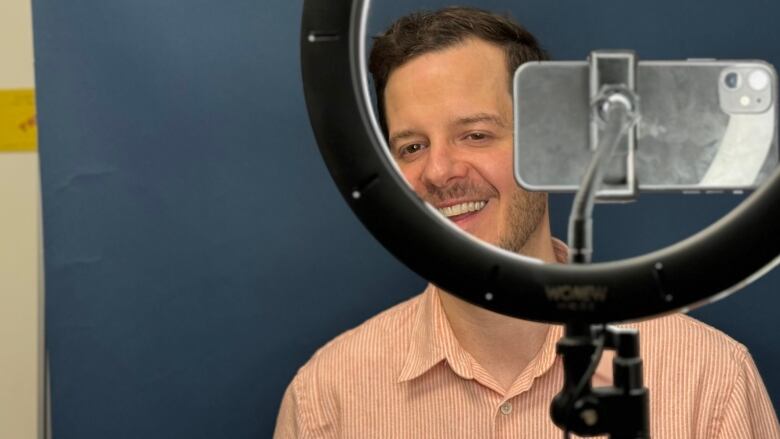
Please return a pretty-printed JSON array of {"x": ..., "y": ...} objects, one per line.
[
  {"x": 430, "y": 31},
  {"x": 443, "y": 83}
]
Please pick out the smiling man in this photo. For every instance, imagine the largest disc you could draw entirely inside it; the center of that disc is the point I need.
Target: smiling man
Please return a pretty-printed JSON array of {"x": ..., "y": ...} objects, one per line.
[
  {"x": 438, "y": 367},
  {"x": 449, "y": 117}
]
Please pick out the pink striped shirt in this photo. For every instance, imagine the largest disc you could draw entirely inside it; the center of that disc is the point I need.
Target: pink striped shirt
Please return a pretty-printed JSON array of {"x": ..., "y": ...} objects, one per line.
[{"x": 403, "y": 374}]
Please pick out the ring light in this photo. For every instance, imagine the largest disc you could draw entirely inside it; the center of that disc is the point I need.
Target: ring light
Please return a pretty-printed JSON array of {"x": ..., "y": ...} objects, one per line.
[{"x": 692, "y": 272}]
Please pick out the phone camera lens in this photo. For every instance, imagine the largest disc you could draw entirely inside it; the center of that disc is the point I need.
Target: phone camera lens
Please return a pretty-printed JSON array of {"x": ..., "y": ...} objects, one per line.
[{"x": 732, "y": 80}]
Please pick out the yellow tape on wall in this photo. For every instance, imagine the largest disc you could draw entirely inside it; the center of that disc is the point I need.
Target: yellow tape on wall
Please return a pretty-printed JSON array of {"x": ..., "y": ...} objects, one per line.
[{"x": 18, "y": 127}]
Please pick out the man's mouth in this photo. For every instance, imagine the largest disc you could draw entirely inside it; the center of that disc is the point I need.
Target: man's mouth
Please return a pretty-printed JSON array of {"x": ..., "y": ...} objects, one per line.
[{"x": 457, "y": 210}]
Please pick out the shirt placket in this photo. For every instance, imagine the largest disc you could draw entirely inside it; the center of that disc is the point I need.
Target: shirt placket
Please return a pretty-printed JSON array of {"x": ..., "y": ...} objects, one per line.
[{"x": 504, "y": 417}]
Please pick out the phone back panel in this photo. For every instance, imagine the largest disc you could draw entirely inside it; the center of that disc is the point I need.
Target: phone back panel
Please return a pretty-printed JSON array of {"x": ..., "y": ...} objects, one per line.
[{"x": 686, "y": 141}]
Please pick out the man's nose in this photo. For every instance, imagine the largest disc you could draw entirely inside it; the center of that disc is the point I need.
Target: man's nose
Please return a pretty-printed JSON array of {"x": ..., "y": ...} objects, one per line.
[{"x": 443, "y": 165}]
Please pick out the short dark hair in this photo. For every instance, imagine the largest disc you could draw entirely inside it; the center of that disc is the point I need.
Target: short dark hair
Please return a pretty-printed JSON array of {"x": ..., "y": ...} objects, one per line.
[{"x": 429, "y": 31}]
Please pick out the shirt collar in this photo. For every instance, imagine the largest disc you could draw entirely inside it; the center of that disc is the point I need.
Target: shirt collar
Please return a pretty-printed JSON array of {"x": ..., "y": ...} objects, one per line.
[
  {"x": 561, "y": 251},
  {"x": 433, "y": 341}
]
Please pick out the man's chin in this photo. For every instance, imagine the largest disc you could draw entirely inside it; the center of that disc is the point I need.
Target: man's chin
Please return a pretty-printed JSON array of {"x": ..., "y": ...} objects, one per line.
[{"x": 482, "y": 233}]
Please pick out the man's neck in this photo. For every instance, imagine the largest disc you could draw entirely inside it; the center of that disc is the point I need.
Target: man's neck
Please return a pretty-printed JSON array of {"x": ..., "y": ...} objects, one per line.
[{"x": 503, "y": 345}]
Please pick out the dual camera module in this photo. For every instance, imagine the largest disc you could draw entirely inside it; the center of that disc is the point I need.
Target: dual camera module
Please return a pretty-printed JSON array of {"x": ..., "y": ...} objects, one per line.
[
  {"x": 746, "y": 89},
  {"x": 757, "y": 80}
]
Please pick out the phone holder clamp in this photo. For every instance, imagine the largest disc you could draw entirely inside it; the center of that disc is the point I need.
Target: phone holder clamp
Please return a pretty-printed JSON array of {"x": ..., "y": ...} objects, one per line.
[{"x": 613, "y": 82}]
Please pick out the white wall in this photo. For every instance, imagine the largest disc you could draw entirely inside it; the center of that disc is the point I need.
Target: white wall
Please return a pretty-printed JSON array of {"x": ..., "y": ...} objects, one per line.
[{"x": 21, "y": 297}]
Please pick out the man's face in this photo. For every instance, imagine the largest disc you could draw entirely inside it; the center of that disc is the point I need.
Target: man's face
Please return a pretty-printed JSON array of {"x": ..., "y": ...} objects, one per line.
[{"x": 449, "y": 117}]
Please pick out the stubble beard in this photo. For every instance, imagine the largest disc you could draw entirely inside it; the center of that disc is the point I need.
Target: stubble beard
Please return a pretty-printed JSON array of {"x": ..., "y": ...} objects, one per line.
[{"x": 526, "y": 212}]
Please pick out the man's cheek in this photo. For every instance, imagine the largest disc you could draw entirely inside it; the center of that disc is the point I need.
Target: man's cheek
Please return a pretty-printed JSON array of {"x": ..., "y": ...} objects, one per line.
[
  {"x": 414, "y": 185},
  {"x": 411, "y": 177}
]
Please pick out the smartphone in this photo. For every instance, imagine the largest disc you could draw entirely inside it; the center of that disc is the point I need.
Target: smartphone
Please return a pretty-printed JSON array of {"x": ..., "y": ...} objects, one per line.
[{"x": 705, "y": 125}]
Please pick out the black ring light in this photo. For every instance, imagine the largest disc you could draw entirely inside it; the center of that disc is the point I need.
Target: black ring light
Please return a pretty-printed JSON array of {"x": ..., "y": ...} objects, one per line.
[{"x": 711, "y": 264}]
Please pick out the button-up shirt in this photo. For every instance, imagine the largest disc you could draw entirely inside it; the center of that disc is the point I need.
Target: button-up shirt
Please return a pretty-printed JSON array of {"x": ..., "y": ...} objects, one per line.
[{"x": 403, "y": 374}]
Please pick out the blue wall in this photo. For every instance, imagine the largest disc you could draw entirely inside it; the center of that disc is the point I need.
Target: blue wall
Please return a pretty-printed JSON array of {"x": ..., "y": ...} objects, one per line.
[{"x": 196, "y": 250}]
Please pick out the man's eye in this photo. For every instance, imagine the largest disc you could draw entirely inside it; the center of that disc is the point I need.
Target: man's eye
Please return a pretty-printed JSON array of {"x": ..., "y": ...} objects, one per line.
[
  {"x": 477, "y": 136},
  {"x": 410, "y": 149}
]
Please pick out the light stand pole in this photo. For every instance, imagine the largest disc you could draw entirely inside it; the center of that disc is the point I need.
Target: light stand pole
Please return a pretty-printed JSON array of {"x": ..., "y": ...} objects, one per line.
[{"x": 621, "y": 410}]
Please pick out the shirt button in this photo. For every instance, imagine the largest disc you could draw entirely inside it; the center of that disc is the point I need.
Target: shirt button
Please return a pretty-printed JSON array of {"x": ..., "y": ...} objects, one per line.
[{"x": 506, "y": 408}]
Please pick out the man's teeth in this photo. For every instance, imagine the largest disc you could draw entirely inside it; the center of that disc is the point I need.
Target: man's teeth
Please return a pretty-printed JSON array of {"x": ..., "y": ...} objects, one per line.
[{"x": 460, "y": 209}]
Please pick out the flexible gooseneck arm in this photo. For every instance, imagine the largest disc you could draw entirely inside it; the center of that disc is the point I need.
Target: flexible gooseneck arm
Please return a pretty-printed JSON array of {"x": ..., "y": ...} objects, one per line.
[{"x": 616, "y": 109}]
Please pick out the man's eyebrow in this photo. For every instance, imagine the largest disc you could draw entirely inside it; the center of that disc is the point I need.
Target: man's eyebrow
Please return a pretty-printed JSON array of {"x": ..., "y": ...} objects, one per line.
[
  {"x": 480, "y": 117},
  {"x": 465, "y": 120},
  {"x": 401, "y": 135}
]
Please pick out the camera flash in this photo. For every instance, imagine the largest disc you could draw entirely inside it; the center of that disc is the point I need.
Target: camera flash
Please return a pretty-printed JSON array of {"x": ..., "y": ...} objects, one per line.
[
  {"x": 758, "y": 80},
  {"x": 745, "y": 101}
]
